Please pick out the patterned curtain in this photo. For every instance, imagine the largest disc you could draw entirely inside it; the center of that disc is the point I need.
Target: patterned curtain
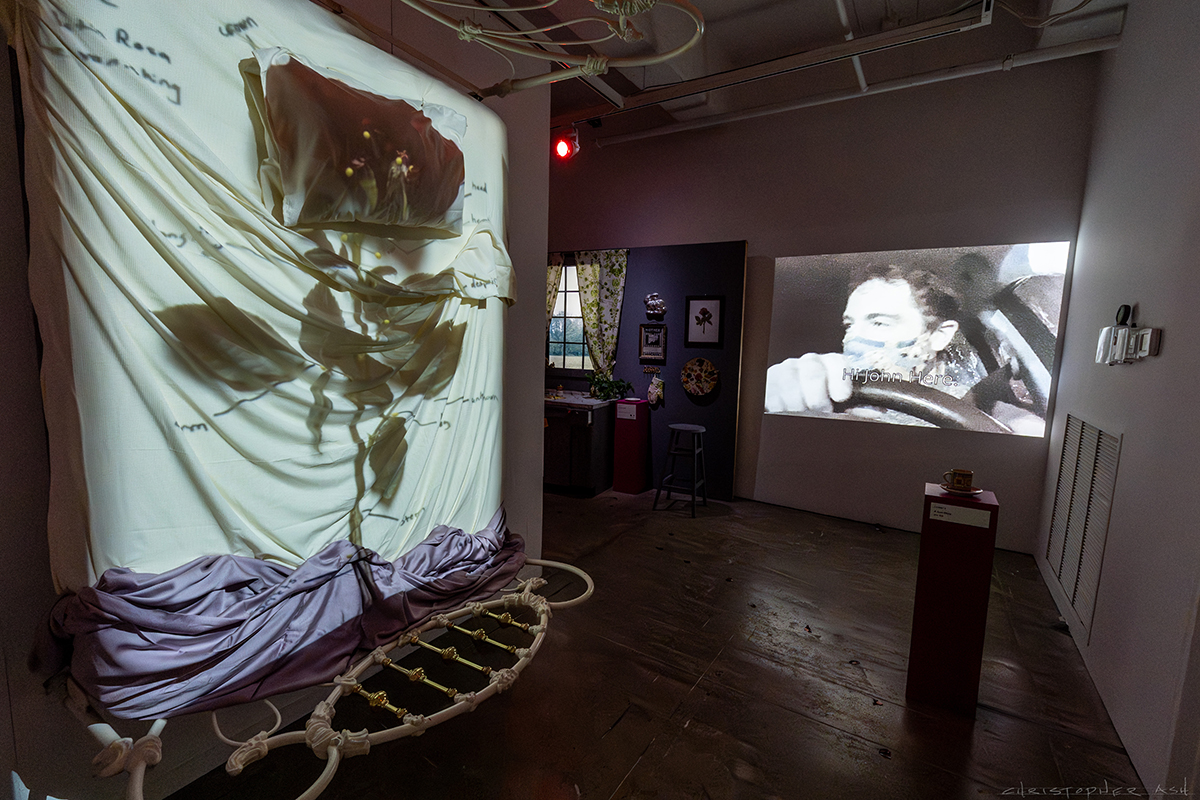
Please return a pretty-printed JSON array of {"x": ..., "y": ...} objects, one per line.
[
  {"x": 601, "y": 287},
  {"x": 553, "y": 276}
]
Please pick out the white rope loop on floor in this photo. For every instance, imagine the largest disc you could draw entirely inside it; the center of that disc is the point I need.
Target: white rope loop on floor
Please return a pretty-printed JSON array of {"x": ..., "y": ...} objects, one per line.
[{"x": 124, "y": 754}]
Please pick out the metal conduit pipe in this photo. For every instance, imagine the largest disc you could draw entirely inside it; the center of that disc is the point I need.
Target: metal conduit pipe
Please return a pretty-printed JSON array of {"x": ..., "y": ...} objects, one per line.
[
  {"x": 1002, "y": 65},
  {"x": 855, "y": 60}
]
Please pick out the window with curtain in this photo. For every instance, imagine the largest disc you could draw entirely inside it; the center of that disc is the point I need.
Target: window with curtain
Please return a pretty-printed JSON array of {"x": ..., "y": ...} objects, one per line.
[{"x": 566, "y": 344}]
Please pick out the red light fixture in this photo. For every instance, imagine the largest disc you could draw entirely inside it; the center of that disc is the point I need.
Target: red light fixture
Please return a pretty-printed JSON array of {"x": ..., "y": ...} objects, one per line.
[{"x": 566, "y": 145}]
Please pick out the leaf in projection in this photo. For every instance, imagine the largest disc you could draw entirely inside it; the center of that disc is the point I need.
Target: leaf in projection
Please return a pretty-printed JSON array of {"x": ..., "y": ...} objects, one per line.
[
  {"x": 239, "y": 349},
  {"x": 320, "y": 257},
  {"x": 387, "y": 450},
  {"x": 352, "y": 371}
]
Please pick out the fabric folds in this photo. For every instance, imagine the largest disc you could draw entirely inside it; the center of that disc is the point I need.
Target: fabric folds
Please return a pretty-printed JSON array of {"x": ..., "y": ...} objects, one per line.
[
  {"x": 217, "y": 381},
  {"x": 227, "y": 629}
]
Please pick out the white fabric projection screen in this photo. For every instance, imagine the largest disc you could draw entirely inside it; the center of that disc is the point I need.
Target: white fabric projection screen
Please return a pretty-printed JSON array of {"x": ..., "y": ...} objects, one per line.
[{"x": 268, "y": 267}]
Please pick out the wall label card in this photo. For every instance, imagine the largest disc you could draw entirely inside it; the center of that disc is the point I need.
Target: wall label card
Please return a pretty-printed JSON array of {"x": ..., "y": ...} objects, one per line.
[{"x": 976, "y": 517}]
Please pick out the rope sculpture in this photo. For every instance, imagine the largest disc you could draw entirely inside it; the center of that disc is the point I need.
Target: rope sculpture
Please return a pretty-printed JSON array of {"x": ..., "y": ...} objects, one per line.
[
  {"x": 122, "y": 754},
  {"x": 299, "y": 414},
  {"x": 526, "y": 43}
]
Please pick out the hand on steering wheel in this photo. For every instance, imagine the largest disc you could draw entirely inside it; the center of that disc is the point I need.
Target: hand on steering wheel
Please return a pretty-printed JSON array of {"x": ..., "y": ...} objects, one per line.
[
  {"x": 811, "y": 383},
  {"x": 821, "y": 383},
  {"x": 923, "y": 402}
]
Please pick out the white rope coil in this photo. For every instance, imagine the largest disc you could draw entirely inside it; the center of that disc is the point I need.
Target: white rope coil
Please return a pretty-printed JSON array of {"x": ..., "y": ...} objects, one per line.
[
  {"x": 525, "y": 42},
  {"x": 124, "y": 754},
  {"x": 587, "y": 579},
  {"x": 234, "y": 743},
  {"x": 331, "y": 745}
]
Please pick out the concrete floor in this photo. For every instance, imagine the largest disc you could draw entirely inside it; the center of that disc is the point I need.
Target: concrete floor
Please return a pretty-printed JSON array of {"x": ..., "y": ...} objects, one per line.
[{"x": 753, "y": 652}]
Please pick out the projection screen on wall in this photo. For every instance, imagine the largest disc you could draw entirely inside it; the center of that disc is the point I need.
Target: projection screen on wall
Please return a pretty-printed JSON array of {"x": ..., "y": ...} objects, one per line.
[{"x": 960, "y": 337}]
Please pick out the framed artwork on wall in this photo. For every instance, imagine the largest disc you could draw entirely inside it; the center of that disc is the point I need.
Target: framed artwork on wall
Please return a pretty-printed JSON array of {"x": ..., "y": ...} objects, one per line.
[
  {"x": 704, "y": 321},
  {"x": 652, "y": 343}
]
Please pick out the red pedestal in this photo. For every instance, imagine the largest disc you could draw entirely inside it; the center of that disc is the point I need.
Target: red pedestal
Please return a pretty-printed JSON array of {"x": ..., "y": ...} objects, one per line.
[
  {"x": 631, "y": 443},
  {"x": 954, "y": 578}
]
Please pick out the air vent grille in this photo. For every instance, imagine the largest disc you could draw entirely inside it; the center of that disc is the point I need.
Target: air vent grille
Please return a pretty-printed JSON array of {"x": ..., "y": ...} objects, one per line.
[{"x": 1087, "y": 476}]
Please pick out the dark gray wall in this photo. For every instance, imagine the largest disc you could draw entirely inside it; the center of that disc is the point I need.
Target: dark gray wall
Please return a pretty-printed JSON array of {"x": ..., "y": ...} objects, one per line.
[
  {"x": 24, "y": 468},
  {"x": 676, "y": 272}
]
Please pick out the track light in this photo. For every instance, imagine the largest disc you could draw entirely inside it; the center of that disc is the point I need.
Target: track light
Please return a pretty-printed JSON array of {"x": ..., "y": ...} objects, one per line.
[{"x": 566, "y": 144}]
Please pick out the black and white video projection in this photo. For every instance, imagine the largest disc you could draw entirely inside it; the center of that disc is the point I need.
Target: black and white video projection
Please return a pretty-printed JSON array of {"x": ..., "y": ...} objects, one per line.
[{"x": 961, "y": 337}]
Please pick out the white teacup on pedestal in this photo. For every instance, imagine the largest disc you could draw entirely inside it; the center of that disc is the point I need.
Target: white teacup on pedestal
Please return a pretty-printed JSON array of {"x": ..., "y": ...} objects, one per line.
[{"x": 959, "y": 481}]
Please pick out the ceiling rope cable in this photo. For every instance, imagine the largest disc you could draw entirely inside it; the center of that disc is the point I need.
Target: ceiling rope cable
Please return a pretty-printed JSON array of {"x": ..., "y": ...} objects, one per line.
[
  {"x": 576, "y": 65},
  {"x": 523, "y": 43}
]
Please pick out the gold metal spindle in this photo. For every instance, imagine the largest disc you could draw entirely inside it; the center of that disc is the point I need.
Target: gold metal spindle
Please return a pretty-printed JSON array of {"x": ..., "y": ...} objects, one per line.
[
  {"x": 379, "y": 700},
  {"x": 507, "y": 619},
  {"x": 449, "y": 654},
  {"x": 418, "y": 676},
  {"x": 480, "y": 635}
]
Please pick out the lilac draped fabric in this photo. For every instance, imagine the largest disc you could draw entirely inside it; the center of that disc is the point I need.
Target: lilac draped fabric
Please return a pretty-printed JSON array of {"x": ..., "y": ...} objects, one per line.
[{"x": 222, "y": 630}]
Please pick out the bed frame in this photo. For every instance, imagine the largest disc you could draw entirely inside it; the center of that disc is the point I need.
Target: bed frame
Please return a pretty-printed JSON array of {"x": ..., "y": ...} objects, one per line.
[{"x": 124, "y": 754}]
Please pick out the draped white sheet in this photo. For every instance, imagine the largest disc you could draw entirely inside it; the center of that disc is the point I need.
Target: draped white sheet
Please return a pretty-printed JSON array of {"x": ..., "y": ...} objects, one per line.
[{"x": 216, "y": 382}]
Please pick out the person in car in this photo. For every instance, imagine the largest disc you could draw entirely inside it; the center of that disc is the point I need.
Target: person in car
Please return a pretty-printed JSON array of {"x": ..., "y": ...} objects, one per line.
[{"x": 900, "y": 326}]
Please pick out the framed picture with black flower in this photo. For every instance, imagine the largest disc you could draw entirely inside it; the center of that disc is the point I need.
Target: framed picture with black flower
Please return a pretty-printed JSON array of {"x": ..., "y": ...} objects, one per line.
[{"x": 704, "y": 321}]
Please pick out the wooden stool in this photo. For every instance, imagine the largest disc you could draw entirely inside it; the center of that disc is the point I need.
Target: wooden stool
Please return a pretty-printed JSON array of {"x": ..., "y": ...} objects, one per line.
[{"x": 686, "y": 440}]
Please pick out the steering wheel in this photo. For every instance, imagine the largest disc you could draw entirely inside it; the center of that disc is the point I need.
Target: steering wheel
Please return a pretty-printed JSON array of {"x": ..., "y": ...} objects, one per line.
[{"x": 922, "y": 402}]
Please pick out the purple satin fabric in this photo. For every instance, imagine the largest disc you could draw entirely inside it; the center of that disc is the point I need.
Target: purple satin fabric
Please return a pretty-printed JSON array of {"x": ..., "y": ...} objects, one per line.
[{"x": 223, "y": 630}]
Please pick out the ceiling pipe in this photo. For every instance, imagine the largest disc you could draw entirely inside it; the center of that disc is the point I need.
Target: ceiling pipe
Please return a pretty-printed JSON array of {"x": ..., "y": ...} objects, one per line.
[
  {"x": 938, "y": 76},
  {"x": 936, "y": 28},
  {"x": 855, "y": 60}
]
